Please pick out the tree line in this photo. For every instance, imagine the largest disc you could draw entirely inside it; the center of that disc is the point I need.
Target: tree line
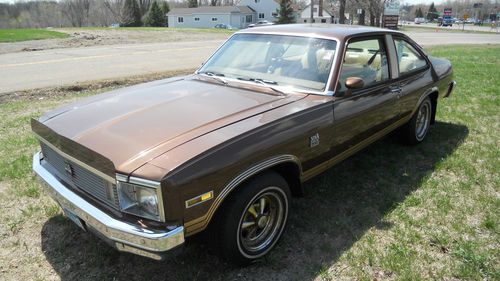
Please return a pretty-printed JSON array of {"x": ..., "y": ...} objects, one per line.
[
  {"x": 78, "y": 13},
  {"x": 459, "y": 9}
]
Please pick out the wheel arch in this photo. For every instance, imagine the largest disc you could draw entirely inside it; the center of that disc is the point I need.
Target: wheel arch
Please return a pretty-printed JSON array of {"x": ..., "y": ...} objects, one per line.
[
  {"x": 287, "y": 166},
  {"x": 434, "y": 100},
  {"x": 433, "y": 94}
]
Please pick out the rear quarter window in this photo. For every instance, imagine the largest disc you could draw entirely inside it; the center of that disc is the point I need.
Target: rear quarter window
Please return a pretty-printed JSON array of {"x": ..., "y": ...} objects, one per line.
[{"x": 409, "y": 59}]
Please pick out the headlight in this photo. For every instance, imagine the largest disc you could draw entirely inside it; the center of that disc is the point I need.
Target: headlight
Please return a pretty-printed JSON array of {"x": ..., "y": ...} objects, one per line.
[{"x": 138, "y": 200}]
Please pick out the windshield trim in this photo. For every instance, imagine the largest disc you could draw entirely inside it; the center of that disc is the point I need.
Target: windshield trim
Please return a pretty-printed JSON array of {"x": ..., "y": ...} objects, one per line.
[
  {"x": 289, "y": 89},
  {"x": 326, "y": 92}
]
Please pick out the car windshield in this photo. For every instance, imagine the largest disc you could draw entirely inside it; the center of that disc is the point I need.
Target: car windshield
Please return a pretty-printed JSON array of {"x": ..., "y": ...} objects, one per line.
[{"x": 298, "y": 62}]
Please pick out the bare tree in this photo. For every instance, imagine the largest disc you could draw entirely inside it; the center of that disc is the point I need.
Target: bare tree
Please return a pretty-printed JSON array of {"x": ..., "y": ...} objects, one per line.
[
  {"x": 144, "y": 6},
  {"x": 76, "y": 11},
  {"x": 114, "y": 7},
  {"x": 342, "y": 4}
]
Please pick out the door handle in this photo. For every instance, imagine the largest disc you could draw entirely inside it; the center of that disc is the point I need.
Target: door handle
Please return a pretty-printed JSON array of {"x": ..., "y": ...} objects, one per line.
[{"x": 396, "y": 90}]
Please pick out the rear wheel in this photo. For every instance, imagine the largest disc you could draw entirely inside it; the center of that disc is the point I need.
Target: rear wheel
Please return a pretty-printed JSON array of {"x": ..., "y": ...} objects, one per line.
[
  {"x": 252, "y": 220},
  {"x": 416, "y": 129}
]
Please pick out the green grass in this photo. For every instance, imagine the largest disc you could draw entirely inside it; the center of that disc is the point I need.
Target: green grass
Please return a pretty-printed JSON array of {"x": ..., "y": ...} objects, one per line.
[
  {"x": 163, "y": 29},
  {"x": 390, "y": 212},
  {"x": 452, "y": 29},
  {"x": 16, "y": 35}
]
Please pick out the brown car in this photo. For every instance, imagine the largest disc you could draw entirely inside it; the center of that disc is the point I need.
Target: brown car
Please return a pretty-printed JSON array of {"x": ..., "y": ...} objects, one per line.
[{"x": 226, "y": 148}]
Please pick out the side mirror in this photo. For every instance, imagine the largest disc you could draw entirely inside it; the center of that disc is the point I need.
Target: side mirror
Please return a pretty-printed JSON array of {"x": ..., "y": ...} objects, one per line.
[{"x": 354, "y": 83}]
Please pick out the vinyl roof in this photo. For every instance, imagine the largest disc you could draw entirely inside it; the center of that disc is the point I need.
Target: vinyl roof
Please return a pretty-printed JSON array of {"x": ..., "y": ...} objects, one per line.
[{"x": 337, "y": 31}]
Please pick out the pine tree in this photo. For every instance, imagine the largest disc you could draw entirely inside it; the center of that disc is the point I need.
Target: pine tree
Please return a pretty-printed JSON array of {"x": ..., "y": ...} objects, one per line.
[
  {"x": 285, "y": 12},
  {"x": 165, "y": 8},
  {"x": 419, "y": 13},
  {"x": 155, "y": 16},
  {"x": 131, "y": 15},
  {"x": 432, "y": 14},
  {"x": 192, "y": 3}
]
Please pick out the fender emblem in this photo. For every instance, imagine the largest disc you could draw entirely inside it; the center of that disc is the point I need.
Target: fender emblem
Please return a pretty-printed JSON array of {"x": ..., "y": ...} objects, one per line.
[{"x": 314, "y": 140}]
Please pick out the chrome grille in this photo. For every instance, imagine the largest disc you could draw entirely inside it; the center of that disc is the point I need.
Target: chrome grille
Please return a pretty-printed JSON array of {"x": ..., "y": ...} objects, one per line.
[{"x": 81, "y": 178}]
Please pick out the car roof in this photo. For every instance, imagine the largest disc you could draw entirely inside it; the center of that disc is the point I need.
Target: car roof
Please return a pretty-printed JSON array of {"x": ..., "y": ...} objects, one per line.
[{"x": 324, "y": 30}]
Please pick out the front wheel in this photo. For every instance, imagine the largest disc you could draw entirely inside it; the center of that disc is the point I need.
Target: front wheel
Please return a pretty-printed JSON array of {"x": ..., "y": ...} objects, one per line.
[
  {"x": 416, "y": 129},
  {"x": 252, "y": 220}
]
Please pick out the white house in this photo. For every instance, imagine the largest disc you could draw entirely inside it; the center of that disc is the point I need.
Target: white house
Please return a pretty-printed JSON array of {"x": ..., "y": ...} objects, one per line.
[
  {"x": 264, "y": 9},
  {"x": 248, "y": 12},
  {"x": 328, "y": 16},
  {"x": 209, "y": 16}
]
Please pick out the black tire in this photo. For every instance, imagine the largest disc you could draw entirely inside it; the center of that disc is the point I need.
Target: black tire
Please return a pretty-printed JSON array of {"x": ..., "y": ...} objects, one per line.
[
  {"x": 416, "y": 129},
  {"x": 229, "y": 233}
]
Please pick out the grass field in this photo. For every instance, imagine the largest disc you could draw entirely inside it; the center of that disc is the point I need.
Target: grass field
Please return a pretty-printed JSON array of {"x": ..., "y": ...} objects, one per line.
[
  {"x": 453, "y": 29},
  {"x": 16, "y": 35},
  {"x": 146, "y": 28},
  {"x": 390, "y": 212}
]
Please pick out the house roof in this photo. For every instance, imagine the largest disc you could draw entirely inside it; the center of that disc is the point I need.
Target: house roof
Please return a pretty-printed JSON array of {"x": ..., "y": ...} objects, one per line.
[
  {"x": 246, "y": 9},
  {"x": 326, "y": 9},
  {"x": 211, "y": 10}
]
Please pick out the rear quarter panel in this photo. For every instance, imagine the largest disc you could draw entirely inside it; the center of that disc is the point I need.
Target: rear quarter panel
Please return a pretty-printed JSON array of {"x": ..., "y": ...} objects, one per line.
[{"x": 444, "y": 74}]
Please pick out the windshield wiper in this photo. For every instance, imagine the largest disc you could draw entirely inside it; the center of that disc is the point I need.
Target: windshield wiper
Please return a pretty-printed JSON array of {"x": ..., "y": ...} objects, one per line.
[
  {"x": 214, "y": 75},
  {"x": 264, "y": 82}
]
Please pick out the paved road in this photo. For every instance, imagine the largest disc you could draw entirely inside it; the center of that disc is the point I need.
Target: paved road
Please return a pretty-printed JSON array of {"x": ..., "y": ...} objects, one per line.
[
  {"x": 483, "y": 28},
  {"x": 19, "y": 71},
  {"x": 432, "y": 38},
  {"x": 56, "y": 67}
]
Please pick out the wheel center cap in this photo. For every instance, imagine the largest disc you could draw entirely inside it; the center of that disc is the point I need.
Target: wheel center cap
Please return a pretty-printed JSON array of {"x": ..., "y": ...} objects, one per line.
[{"x": 262, "y": 221}]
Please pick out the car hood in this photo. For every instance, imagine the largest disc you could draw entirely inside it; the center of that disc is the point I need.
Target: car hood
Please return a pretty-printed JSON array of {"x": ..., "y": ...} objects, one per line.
[{"x": 134, "y": 125}]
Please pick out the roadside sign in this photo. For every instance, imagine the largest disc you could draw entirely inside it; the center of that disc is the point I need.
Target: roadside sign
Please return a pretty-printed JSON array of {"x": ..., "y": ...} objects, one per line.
[
  {"x": 447, "y": 11},
  {"x": 391, "y": 8},
  {"x": 466, "y": 16},
  {"x": 390, "y": 22},
  {"x": 360, "y": 11}
]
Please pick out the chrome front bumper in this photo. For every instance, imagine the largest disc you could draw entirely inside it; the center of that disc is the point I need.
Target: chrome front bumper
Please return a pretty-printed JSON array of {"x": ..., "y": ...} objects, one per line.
[{"x": 123, "y": 236}]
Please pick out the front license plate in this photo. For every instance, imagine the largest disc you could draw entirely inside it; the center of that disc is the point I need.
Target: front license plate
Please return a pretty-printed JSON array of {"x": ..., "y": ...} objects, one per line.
[{"x": 74, "y": 218}]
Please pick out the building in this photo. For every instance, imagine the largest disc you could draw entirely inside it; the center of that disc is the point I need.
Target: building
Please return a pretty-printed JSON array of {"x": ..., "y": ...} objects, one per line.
[
  {"x": 209, "y": 16},
  {"x": 248, "y": 12},
  {"x": 327, "y": 15},
  {"x": 264, "y": 9}
]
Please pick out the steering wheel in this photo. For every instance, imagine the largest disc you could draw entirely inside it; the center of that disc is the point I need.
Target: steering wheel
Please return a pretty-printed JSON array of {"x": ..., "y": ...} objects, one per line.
[{"x": 276, "y": 63}]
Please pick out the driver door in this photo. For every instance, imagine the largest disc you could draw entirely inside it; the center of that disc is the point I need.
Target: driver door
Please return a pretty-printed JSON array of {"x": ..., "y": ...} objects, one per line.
[{"x": 362, "y": 113}]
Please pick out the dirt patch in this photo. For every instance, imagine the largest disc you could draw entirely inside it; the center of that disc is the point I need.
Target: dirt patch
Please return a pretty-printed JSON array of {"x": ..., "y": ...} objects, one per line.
[
  {"x": 97, "y": 37},
  {"x": 42, "y": 93}
]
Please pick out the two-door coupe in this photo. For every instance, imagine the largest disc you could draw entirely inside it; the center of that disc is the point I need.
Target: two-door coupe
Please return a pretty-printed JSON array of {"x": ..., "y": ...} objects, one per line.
[{"x": 226, "y": 148}]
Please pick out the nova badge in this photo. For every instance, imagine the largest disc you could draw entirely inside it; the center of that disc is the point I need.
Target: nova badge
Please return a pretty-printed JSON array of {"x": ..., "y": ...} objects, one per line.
[
  {"x": 68, "y": 168},
  {"x": 314, "y": 140}
]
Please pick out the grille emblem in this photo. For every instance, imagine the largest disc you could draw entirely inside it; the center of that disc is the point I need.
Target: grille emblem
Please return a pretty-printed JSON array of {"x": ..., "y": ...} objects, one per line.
[{"x": 68, "y": 168}]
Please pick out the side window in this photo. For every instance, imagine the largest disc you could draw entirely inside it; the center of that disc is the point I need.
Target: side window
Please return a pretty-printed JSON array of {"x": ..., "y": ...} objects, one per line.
[
  {"x": 409, "y": 59},
  {"x": 365, "y": 59}
]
